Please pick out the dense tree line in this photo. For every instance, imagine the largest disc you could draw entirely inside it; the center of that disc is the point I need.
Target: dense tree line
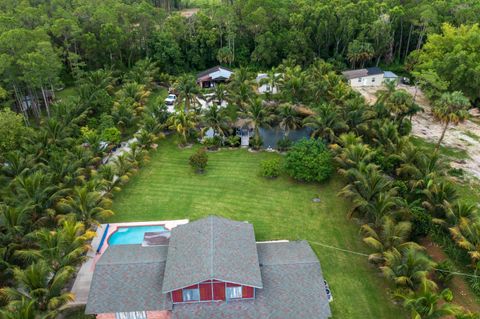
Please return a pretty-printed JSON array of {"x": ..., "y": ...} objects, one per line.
[{"x": 45, "y": 43}]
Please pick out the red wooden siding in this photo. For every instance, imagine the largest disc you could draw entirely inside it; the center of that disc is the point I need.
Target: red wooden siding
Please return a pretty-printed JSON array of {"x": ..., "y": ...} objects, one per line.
[
  {"x": 205, "y": 291},
  {"x": 247, "y": 292},
  {"x": 177, "y": 295},
  {"x": 218, "y": 291},
  {"x": 213, "y": 290}
]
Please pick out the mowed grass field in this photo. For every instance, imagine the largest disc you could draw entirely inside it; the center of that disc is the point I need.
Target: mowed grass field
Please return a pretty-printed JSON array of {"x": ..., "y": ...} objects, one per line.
[{"x": 168, "y": 188}]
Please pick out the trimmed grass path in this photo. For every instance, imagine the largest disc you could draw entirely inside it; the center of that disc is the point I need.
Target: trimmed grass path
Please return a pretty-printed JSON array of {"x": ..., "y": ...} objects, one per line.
[{"x": 167, "y": 188}]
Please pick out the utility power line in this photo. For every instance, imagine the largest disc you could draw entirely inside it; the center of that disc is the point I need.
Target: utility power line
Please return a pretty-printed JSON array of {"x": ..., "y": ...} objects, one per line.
[{"x": 366, "y": 255}]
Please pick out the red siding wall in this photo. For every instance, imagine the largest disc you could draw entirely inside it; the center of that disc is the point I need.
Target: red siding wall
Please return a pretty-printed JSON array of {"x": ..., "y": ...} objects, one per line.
[
  {"x": 205, "y": 291},
  {"x": 218, "y": 291},
  {"x": 177, "y": 296},
  {"x": 248, "y": 292},
  {"x": 217, "y": 287}
]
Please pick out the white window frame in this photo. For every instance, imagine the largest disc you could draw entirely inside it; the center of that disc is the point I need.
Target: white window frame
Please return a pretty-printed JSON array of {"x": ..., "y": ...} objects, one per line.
[
  {"x": 131, "y": 315},
  {"x": 235, "y": 291},
  {"x": 195, "y": 291},
  {"x": 360, "y": 80}
]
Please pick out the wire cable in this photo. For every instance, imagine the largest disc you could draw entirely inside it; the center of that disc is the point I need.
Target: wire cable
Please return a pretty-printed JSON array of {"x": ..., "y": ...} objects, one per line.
[{"x": 366, "y": 255}]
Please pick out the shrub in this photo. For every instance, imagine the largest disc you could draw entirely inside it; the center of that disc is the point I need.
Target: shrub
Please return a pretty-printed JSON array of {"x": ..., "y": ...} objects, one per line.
[
  {"x": 212, "y": 143},
  {"x": 270, "y": 168},
  {"x": 309, "y": 160},
  {"x": 443, "y": 271},
  {"x": 199, "y": 160},
  {"x": 256, "y": 143},
  {"x": 284, "y": 144},
  {"x": 233, "y": 141},
  {"x": 111, "y": 135}
]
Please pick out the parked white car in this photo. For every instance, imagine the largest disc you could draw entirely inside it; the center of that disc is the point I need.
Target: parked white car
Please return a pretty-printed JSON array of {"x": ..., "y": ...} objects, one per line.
[{"x": 170, "y": 100}]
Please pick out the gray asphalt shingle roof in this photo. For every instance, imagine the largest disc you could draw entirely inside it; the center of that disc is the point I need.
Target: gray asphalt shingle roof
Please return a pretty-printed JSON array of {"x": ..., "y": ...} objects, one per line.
[
  {"x": 353, "y": 74},
  {"x": 129, "y": 278},
  {"x": 293, "y": 288},
  {"x": 212, "y": 248}
]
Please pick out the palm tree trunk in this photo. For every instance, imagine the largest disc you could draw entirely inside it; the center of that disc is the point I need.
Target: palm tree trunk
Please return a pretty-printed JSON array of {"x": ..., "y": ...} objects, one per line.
[
  {"x": 46, "y": 102},
  {"x": 437, "y": 147}
]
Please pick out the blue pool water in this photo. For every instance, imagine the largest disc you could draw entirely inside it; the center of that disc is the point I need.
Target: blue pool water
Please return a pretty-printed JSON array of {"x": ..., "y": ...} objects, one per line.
[{"x": 132, "y": 235}]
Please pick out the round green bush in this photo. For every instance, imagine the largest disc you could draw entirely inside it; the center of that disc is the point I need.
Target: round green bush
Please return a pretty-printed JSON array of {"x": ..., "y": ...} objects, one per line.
[
  {"x": 270, "y": 168},
  {"x": 310, "y": 161},
  {"x": 199, "y": 160}
]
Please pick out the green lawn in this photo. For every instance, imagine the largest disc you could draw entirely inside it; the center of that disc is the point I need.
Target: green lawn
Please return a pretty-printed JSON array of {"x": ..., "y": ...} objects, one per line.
[{"x": 167, "y": 188}]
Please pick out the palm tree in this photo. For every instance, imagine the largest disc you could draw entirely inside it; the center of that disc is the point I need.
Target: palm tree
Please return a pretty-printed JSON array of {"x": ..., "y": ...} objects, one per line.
[
  {"x": 88, "y": 206},
  {"x": 383, "y": 95},
  {"x": 143, "y": 72},
  {"x": 408, "y": 268},
  {"x": 36, "y": 283},
  {"x": 23, "y": 309},
  {"x": 135, "y": 94},
  {"x": 37, "y": 190},
  {"x": 65, "y": 247},
  {"x": 182, "y": 122},
  {"x": 258, "y": 115},
  {"x": 359, "y": 52},
  {"x": 271, "y": 80},
  {"x": 451, "y": 108},
  {"x": 137, "y": 155},
  {"x": 327, "y": 123},
  {"x": 289, "y": 118},
  {"x": 240, "y": 94},
  {"x": 188, "y": 90},
  {"x": 461, "y": 212},
  {"x": 467, "y": 236},
  {"x": 370, "y": 192},
  {"x": 390, "y": 235},
  {"x": 352, "y": 156},
  {"x": 219, "y": 94},
  {"x": 419, "y": 167},
  {"x": 16, "y": 162},
  {"x": 437, "y": 197},
  {"x": 217, "y": 119},
  {"x": 292, "y": 84},
  {"x": 427, "y": 304}
]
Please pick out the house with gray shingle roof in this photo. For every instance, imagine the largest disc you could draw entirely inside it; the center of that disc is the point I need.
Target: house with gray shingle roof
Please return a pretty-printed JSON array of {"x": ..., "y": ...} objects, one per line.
[{"x": 211, "y": 268}]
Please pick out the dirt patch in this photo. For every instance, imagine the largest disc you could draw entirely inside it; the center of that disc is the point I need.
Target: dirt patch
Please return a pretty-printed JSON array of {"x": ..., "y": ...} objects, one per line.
[
  {"x": 465, "y": 136},
  {"x": 464, "y": 296},
  {"x": 187, "y": 13}
]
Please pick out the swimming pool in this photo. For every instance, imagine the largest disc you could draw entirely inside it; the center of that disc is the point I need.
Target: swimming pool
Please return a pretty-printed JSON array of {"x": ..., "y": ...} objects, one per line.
[{"x": 133, "y": 235}]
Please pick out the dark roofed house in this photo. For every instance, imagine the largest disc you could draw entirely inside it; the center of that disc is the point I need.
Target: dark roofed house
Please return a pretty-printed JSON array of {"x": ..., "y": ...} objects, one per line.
[
  {"x": 364, "y": 77},
  {"x": 211, "y": 268},
  {"x": 211, "y": 77}
]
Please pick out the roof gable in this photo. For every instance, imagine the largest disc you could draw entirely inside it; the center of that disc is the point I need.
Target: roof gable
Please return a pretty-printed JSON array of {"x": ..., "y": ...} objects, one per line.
[
  {"x": 212, "y": 248},
  {"x": 214, "y": 72}
]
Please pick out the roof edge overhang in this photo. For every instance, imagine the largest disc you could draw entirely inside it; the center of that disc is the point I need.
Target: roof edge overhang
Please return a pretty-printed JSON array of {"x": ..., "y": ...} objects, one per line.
[{"x": 197, "y": 283}]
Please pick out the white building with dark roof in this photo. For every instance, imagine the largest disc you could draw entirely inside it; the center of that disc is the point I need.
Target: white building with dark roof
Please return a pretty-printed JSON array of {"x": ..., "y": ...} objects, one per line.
[
  {"x": 364, "y": 77},
  {"x": 212, "y": 268},
  {"x": 211, "y": 77}
]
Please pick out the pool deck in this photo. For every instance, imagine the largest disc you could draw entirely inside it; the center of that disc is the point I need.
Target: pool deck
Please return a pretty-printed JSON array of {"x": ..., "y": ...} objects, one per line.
[{"x": 81, "y": 286}]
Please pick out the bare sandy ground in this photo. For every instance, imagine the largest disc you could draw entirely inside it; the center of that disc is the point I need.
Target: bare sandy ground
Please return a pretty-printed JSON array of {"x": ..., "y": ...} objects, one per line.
[{"x": 465, "y": 136}]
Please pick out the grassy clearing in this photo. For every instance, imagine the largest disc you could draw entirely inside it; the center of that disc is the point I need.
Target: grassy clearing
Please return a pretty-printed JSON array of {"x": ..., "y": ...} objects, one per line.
[
  {"x": 167, "y": 188},
  {"x": 67, "y": 92},
  {"x": 449, "y": 152}
]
